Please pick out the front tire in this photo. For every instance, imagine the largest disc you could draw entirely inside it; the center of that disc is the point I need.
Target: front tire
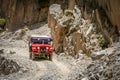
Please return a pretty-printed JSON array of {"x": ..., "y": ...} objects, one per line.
[
  {"x": 50, "y": 57},
  {"x": 30, "y": 47},
  {"x": 33, "y": 57},
  {"x": 30, "y": 55}
]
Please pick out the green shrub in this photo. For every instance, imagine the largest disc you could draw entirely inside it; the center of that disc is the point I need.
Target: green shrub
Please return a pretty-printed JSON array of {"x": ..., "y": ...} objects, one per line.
[
  {"x": 22, "y": 32},
  {"x": 26, "y": 28},
  {"x": 102, "y": 41},
  {"x": 2, "y": 21},
  {"x": 68, "y": 13}
]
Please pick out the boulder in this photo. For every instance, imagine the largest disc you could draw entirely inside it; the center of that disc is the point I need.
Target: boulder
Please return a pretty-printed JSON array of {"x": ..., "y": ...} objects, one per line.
[
  {"x": 100, "y": 54},
  {"x": 8, "y": 66}
]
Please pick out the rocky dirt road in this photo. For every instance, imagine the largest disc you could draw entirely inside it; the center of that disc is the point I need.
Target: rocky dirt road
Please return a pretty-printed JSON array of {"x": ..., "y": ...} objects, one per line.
[{"x": 62, "y": 67}]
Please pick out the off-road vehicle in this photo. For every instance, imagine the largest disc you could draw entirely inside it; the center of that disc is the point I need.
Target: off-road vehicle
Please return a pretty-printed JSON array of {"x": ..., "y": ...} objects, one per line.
[{"x": 40, "y": 46}]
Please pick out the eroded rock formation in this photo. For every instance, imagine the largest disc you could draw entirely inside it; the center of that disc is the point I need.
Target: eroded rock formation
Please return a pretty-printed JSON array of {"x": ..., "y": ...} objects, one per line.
[
  {"x": 70, "y": 32},
  {"x": 87, "y": 27},
  {"x": 105, "y": 13},
  {"x": 23, "y": 12}
]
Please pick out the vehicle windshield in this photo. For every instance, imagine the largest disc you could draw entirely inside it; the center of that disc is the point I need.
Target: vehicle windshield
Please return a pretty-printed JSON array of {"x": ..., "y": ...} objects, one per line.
[{"x": 37, "y": 40}]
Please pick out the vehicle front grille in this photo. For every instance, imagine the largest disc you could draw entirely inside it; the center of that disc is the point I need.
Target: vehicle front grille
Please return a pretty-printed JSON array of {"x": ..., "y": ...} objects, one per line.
[{"x": 42, "y": 50}]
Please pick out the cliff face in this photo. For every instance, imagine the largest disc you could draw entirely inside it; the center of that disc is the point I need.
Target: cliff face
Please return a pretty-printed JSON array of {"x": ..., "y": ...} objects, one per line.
[
  {"x": 112, "y": 10},
  {"x": 90, "y": 27},
  {"x": 104, "y": 12},
  {"x": 23, "y": 12},
  {"x": 70, "y": 32},
  {"x": 26, "y": 12}
]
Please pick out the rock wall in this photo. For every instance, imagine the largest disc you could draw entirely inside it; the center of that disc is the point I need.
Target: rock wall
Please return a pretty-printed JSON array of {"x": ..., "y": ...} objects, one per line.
[
  {"x": 88, "y": 27},
  {"x": 23, "y": 12},
  {"x": 19, "y": 13},
  {"x": 104, "y": 12},
  {"x": 70, "y": 32}
]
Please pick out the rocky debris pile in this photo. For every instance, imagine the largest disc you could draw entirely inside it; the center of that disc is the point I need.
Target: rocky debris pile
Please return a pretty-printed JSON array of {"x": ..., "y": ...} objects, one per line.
[
  {"x": 107, "y": 68},
  {"x": 7, "y": 66},
  {"x": 1, "y": 51},
  {"x": 100, "y": 54},
  {"x": 17, "y": 35},
  {"x": 5, "y": 35}
]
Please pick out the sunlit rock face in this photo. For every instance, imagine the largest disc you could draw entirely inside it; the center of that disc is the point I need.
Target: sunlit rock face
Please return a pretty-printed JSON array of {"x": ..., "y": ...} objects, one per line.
[
  {"x": 88, "y": 27},
  {"x": 70, "y": 32}
]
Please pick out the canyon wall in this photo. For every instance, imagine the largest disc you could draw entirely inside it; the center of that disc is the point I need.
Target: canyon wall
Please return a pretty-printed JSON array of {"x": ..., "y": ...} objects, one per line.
[
  {"x": 73, "y": 28},
  {"x": 91, "y": 26},
  {"x": 104, "y": 12},
  {"x": 23, "y": 12},
  {"x": 19, "y": 13}
]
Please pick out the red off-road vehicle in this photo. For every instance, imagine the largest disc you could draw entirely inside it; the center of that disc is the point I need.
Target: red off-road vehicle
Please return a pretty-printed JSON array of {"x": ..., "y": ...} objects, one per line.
[{"x": 40, "y": 46}]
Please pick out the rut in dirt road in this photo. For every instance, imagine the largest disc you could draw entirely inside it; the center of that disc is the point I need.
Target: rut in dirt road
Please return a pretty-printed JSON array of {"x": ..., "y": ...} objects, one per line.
[{"x": 51, "y": 69}]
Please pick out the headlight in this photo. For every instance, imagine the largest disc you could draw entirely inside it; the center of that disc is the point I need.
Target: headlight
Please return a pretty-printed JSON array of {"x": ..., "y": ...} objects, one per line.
[
  {"x": 38, "y": 47},
  {"x": 47, "y": 48},
  {"x": 51, "y": 48}
]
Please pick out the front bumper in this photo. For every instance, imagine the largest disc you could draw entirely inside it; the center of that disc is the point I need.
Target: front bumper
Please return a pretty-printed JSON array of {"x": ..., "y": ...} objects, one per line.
[{"x": 39, "y": 54}]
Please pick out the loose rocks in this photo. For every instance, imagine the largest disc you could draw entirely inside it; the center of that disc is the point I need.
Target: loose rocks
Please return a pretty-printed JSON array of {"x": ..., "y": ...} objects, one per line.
[
  {"x": 8, "y": 66},
  {"x": 107, "y": 68}
]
